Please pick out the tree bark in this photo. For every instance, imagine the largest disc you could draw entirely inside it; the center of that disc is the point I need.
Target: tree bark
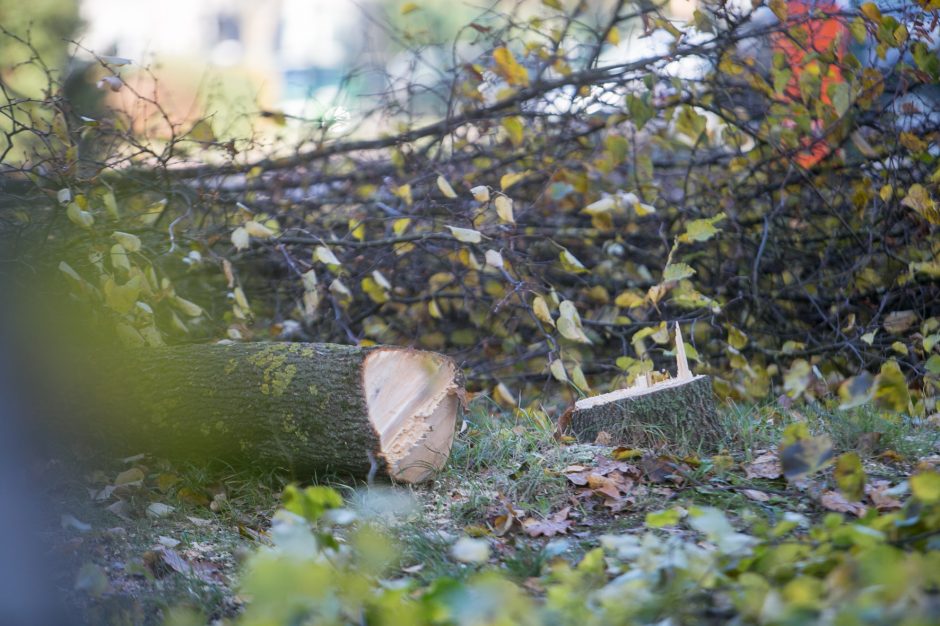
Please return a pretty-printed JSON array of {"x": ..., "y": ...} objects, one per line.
[
  {"x": 307, "y": 407},
  {"x": 677, "y": 415}
]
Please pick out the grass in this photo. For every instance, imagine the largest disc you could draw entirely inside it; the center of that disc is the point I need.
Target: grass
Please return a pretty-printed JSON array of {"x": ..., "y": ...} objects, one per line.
[{"x": 500, "y": 463}]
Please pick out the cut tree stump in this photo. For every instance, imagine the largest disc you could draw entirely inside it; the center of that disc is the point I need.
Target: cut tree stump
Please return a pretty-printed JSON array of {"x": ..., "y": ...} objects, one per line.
[
  {"x": 677, "y": 414},
  {"x": 309, "y": 407}
]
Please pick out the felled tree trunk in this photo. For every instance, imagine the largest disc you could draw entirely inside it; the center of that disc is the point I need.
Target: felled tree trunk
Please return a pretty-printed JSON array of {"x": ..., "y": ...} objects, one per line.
[
  {"x": 310, "y": 407},
  {"x": 677, "y": 414}
]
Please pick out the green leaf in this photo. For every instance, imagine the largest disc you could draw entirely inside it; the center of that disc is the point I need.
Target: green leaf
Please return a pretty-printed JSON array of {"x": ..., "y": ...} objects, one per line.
[
  {"x": 701, "y": 230},
  {"x": 850, "y": 476},
  {"x": 891, "y": 388},
  {"x": 202, "y": 131},
  {"x": 312, "y": 502},
  {"x": 926, "y": 487},
  {"x": 659, "y": 519}
]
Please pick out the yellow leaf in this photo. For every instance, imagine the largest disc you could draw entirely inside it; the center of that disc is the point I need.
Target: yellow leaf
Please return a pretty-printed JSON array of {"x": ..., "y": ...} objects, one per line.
[
  {"x": 400, "y": 225},
  {"x": 557, "y": 369},
  {"x": 919, "y": 199},
  {"x": 380, "y": 280},
  {"x": 613, "y": 37},
  {"x": 508, "y": 180},
  {"x": 404, "y": 192},
  {"x": 325, "y": 255},
  {"x": 797, "y": 378},
  {"x": 465, "y": 235},
  {"x": 240, "y": 238},
  {"x": 577, "y": 377},
  {"x": 481, "y": 193},
  {"x": 190, "y": 309},
  {"x": 494, "y": 259},
  {"x": 891, "y": 388},
  {"x": 571, "y": 263},
  {"x": 504, "y": 209},
  {"x": 202, "y": 131},
  {"x": 871, "y": 11},
  {"x": 130, "y": 242},
  {"x": 569, "y": 322},
  {"x": 240, "y": 298},
  {"x": 121, "y": 298},
  {"x": 445, "y": 188},
  {"x": 629, "y": 300},
  {"x": 503, "y": 396},
  {"x": 926, "y": 487},
  {"x": 434, "y": 310},
  {"x": 515, "y": 130},
  {"x": 409, "y": 7},
  {"x": 540, "y": 308},
  {"x": 119, "y": 258},
  {"x": 604, "y": 205},
  {"x": 510, "y": 69},
  {"x": 258, "y": 230},
  {"x": 357, "y": 229},
  {"x": 850, "y": 476},
  {"x": 375, "y": 291},
  {"x": 79, "y": 217}
]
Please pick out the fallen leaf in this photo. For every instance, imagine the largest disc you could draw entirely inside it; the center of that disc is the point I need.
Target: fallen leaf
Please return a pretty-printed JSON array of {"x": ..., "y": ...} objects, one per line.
[
  {"x": 603, "y": 438},
  {"x": 70, "y": 521},
  {"x": 661, "y": 469},
  {"x": 881, "y": 500},
  {"x": 469, "y": 550},
  {"x": 603, "y": 485},
  {"x": 120, "y": 509},
  {"x": 626, "y": 454},
  {"x": 158, "y": 509},
  {"x": 557, "y": 524},
  {"x": 766, "y": 465},
  {"x": 835, "y": 501},
  {"x": 757, "y": 496},
  {"x": 92, "y": 579},
  {"x": 133, "y": 476}
]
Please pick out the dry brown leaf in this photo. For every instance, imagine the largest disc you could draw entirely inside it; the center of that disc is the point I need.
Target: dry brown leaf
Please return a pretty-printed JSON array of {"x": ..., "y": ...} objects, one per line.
[
  {"x": 882, "y": 501},
  {"x": 757, "y": 496},
  {"x": 557, "y": 524},
  {"x": 603, "y": 485},
  {"x": 603, "y": 438},
  {"x": 835, "y": 501},
  {"x": 766, "y": 465},
  {"x": 662, "y": 469}
]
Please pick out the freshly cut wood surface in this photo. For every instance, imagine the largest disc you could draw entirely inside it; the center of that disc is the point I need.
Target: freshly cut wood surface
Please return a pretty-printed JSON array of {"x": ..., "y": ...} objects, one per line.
[{"x": 309, "y": 407}]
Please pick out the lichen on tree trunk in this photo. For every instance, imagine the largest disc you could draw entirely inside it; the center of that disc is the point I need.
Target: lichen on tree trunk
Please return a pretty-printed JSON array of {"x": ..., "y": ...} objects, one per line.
[{"x": 679, "y": 416}]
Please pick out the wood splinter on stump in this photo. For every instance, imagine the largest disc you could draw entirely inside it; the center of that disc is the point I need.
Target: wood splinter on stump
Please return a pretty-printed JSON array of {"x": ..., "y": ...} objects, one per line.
[
  {"x": 676, "y": 413},
  {"x": 309, "y": 407}
]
